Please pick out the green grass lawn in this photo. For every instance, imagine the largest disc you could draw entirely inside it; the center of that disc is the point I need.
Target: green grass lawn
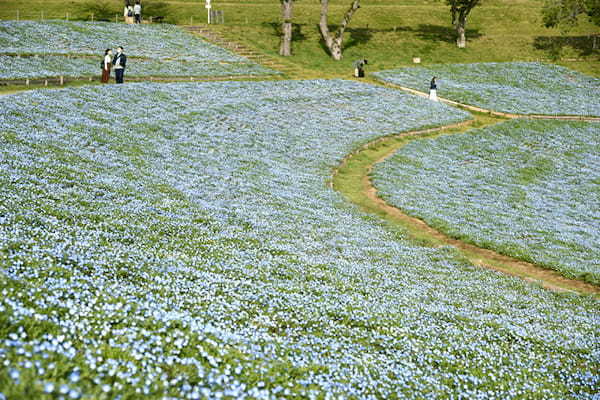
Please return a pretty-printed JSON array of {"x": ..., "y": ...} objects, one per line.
[{"x": 388, "y": 33}]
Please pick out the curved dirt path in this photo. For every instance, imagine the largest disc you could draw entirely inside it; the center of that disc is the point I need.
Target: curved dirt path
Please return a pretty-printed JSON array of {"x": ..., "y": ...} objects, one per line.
[
  {"x": 352, "y": 179},
  {"x": 492, "y": 112}
]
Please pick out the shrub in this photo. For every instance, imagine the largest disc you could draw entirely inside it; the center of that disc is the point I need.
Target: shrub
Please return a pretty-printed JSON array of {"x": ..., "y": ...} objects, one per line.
[{"x": 103, "y": 10}]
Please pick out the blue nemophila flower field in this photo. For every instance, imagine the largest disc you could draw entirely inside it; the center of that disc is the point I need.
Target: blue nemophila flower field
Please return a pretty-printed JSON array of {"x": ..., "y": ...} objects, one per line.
[
  {"x": 157, "y": 50},
  {"x": 530, "y": 189},
  {"x": 54, "y": 66},
  {"x": 181, "y": 241},
  {"x": 160, "y": 41},
  {"x": 513, "y": 87}
]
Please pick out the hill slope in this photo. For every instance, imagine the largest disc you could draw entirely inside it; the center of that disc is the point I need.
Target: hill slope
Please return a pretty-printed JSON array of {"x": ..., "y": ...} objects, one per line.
[{"x": 388, "y": 33}]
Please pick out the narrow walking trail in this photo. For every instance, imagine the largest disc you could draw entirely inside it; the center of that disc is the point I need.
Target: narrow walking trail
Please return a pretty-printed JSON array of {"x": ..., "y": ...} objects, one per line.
[
  {"x": 492, "y": 112},
  {"x": 352, "y": 179}
]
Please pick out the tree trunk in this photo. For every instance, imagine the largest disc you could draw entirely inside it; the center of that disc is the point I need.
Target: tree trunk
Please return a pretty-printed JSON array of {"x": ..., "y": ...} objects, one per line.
[
  {"x": 334, "y": 42},
  {"x": 286, "y": 27},
  {"x": 461, "y": 23}
]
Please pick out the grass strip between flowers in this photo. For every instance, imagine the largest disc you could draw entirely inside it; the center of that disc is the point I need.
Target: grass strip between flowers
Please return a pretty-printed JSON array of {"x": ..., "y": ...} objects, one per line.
[{"x": 353, "y": 179}]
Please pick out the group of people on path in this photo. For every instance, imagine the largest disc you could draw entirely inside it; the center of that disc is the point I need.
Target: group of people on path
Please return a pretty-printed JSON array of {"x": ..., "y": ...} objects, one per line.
[
  {"x": 118, "y": 62},
  {"x": 359, "y": 72},
  {"x": 133, "y": 14}
]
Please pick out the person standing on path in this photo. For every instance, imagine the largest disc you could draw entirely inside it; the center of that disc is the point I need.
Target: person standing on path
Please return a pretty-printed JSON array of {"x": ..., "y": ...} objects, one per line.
[
  {"x": 106, "y": 65},
  {"x": 128, "y": 14},
  {"x": 433, "y": 89},
  {"x": 137, "y": 12},
  {"x": 120, "y": 61}
]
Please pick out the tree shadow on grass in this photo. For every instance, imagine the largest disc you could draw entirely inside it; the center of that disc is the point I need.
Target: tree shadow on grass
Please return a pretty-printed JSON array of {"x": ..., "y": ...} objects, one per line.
[
  {"x": 555, "y": 45},
  {"x": 439, "y": 33},
  {"x": 426, "y": 32},
  {"x": 297, "y": 34},
  {"x": 358, "y": 36},
  {"x": 355, "y": 36}
]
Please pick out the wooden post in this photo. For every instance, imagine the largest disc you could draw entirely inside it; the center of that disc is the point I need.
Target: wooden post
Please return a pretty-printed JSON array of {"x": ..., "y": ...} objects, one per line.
[
  {"x": 46, "y": 82},
  {"x": 62, "y": 80},
  {"x": 27, "y": 82},
  {"x": 150, "y": 19},
  {"x": 92, "y": 17},
  {"x": 90, "y": 78}
]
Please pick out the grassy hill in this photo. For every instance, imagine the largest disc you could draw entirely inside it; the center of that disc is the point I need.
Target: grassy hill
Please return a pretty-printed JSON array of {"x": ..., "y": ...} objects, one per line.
[{"x": 388, "y": 33}]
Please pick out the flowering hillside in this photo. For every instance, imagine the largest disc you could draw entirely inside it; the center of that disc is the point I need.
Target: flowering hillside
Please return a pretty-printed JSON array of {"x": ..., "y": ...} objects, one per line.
[
  {"x": 157, "y": 50},
  {"x": 529, "y": 189},
  {"x": 514, "y": 87},
  {"x": 180, "y": 241},
  {"x": 53, "y": 66}
]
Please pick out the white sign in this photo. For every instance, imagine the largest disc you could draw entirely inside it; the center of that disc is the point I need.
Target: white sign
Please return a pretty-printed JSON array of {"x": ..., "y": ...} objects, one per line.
[{"x": 208, "y": 6}]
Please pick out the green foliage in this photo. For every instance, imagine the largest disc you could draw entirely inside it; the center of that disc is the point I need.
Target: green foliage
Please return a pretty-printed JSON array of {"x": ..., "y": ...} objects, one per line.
[
  {"x": 101, "y": 9},
  {"x": 593, "y": 11},
  {"x": 461, "y": 8},
  {"x": 156, "y": 9},
  {"x": 565, "y": 13}
]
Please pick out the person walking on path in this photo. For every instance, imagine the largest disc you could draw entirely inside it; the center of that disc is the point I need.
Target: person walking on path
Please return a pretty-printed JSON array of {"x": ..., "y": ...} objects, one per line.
[
  {"x": 120, "y": 62},
  {"x": 137, "y": 12},
  {"x": 433, "y": 89},
  {"x": 106, "y": 65},
  {"x": 128, "y": 14}
]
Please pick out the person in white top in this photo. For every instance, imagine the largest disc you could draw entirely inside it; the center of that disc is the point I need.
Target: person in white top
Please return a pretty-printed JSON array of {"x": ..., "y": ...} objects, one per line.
[
  {"x": 137, "y": 12},
  {"x": 106, "y": 65},
  {"x": 128, "y": 13},
  {"x": 433, "y": 89}
]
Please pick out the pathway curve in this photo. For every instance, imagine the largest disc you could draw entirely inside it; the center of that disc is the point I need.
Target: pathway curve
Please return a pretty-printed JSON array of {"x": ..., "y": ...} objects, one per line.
[
  {"x": 492, "y": 112},
  {"x": 352, "y": 179}
]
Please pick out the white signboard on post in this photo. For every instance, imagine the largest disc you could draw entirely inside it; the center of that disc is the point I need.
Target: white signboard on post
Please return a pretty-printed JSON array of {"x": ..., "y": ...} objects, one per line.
[{"x": 208, "y": 7}]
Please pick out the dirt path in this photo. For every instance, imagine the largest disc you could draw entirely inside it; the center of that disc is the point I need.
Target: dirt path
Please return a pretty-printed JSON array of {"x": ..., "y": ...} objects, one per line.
[
  {"x": 352, "y": 179},
  {"x": 496, "y": 113}
]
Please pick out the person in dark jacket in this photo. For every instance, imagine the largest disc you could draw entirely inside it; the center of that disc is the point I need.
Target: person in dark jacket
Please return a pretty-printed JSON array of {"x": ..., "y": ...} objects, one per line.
[
  {"x": 359, "y": 68},
  {"x": 120, "y": 61},
  {"x": 433, "y": 89}
]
